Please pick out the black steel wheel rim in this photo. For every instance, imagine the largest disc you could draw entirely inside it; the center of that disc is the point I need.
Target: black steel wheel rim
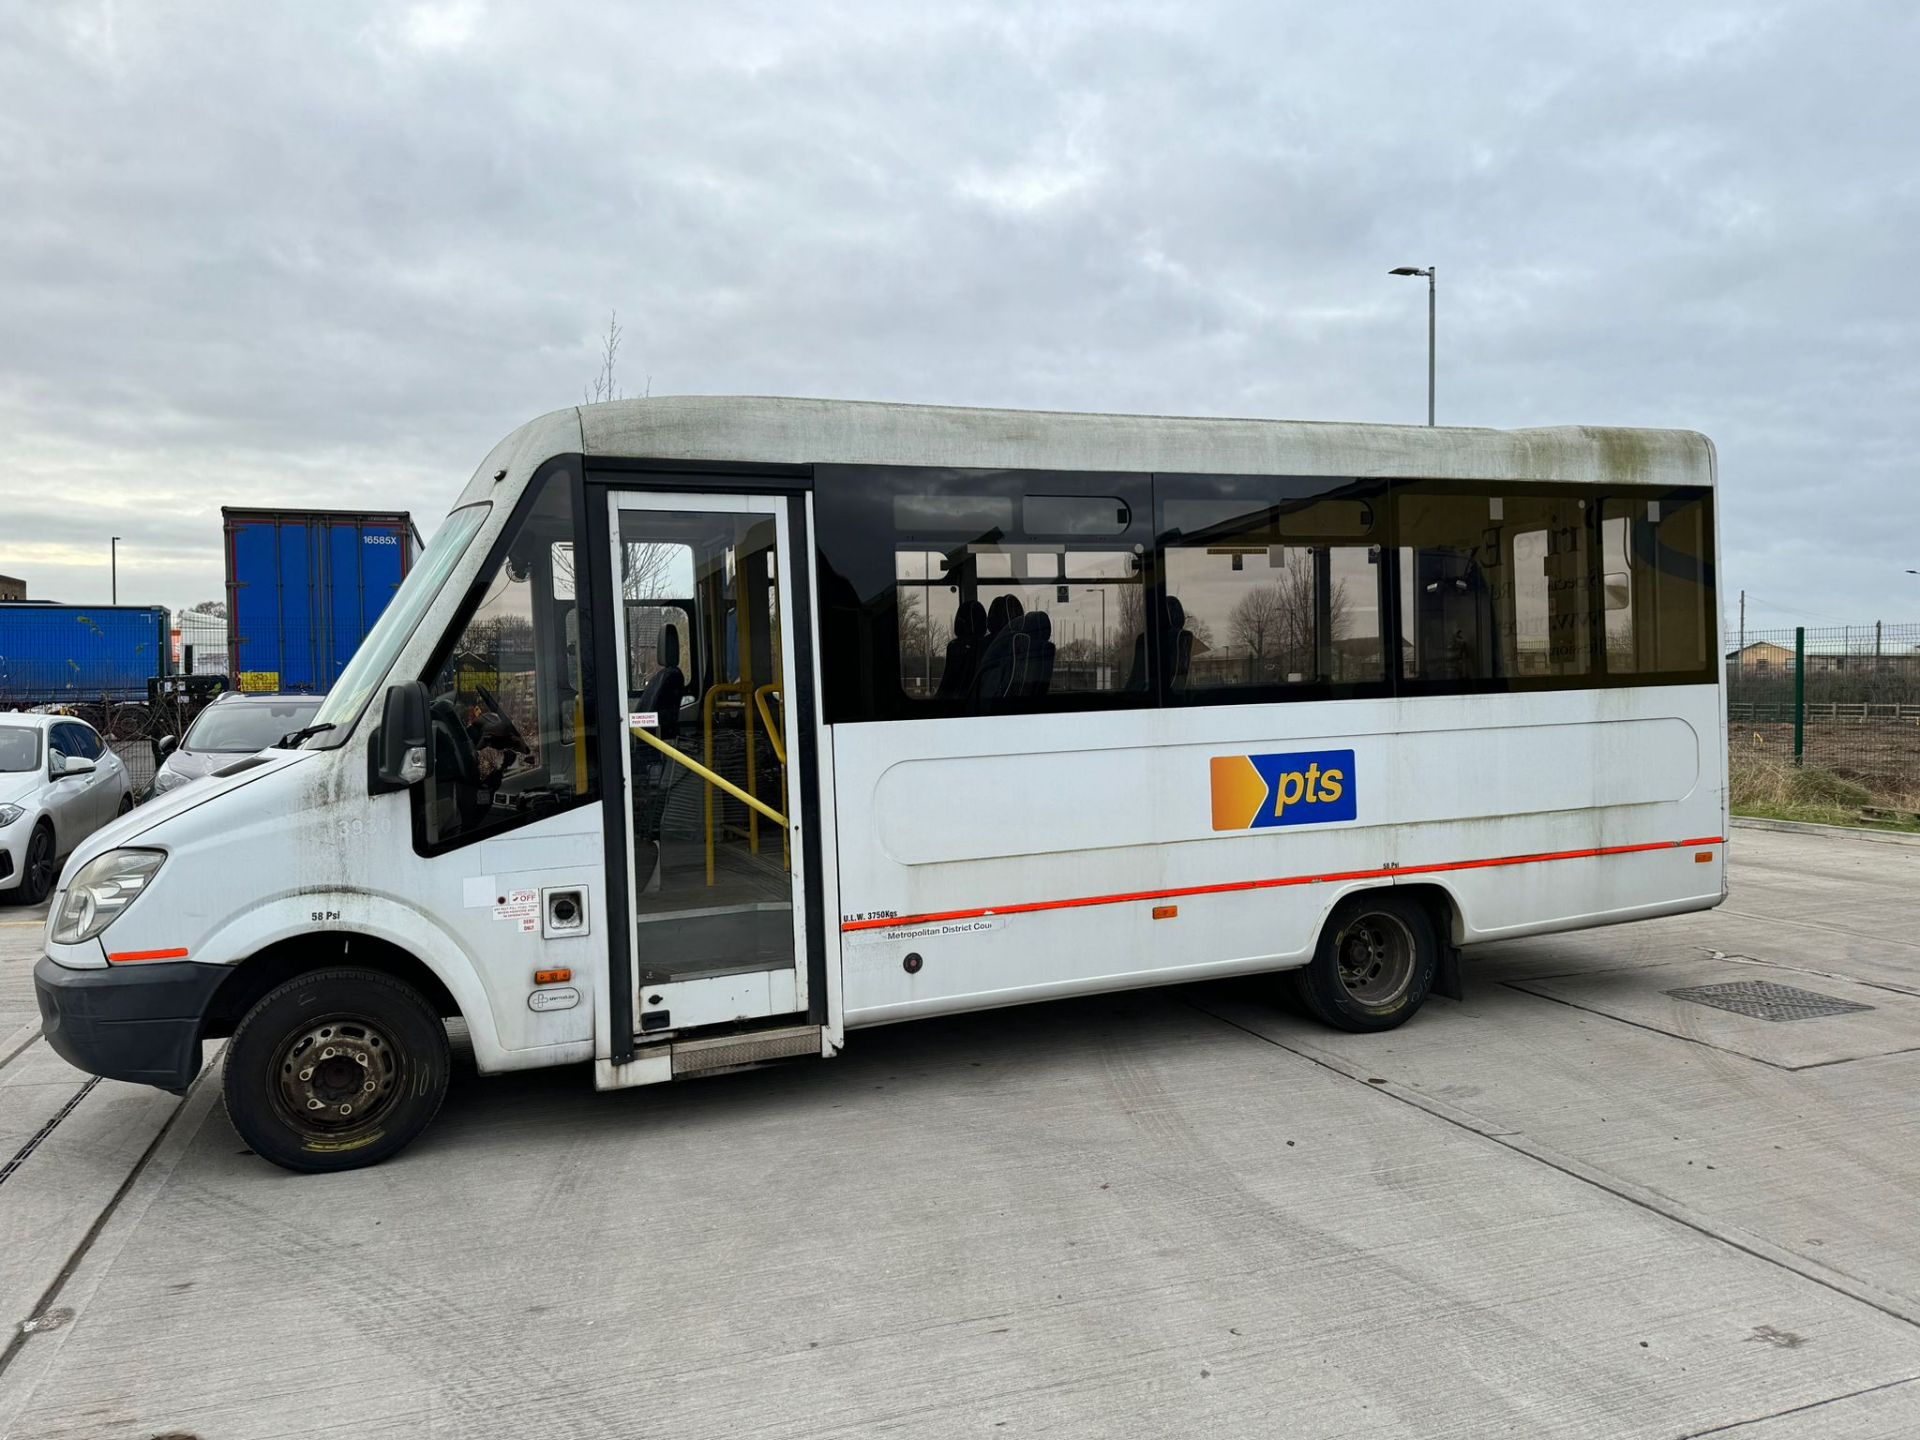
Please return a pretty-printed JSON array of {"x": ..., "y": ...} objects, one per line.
[
  {"x": 1376, "y": 958},
  {"x": 335, "y": 1076}
]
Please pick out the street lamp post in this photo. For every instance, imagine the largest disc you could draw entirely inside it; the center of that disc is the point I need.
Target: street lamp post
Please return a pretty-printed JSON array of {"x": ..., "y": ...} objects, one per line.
[
  {"x": 113, "y": 565},
  {"x": 1428, "y": 272}
]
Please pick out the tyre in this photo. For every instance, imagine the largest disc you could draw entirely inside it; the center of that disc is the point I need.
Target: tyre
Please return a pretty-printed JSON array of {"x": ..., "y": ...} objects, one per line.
[
  {"x": 1374, "y": 964},
  {"x": 336, "y": 1070},
  {"x": 126, "y": 802},
  {"x": 39, "y": 871}
]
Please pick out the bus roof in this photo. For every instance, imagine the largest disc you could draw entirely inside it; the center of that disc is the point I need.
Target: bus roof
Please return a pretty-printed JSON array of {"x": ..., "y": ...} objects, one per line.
[{"x": 772, "y": 430}]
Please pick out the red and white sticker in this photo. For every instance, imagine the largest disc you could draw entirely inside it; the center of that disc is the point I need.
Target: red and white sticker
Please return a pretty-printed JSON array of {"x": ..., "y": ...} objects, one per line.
[
  {"x": 521, "y": 906},
  {"x": 644, "y": 720}
]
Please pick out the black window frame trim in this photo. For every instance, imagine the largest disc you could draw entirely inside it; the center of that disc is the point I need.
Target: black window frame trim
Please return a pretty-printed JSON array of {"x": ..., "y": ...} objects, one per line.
[
  {"x": 1310, "y": 488},
  {"x": 470, "y": 603},
  {"x": 862, "y": 703},
  {"x": 865, "y": 708}
]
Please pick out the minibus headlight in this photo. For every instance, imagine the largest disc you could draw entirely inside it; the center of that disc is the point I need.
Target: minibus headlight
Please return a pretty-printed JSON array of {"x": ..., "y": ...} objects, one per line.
[{"x": 105, "y": 886}]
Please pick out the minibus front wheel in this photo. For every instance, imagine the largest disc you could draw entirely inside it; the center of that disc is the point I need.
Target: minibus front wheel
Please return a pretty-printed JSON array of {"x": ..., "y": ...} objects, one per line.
[
  {"x": 336, "y": 1069},
  {"x": 1374, "y": 965}
]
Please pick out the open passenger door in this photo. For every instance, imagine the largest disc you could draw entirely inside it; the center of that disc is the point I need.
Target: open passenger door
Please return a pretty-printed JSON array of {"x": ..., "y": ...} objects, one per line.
[{"x": 709, "y": 625}]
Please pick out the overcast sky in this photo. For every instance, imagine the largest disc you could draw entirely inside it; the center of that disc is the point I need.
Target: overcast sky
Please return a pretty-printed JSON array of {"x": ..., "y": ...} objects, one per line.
[{"x": 327, "y": 255}]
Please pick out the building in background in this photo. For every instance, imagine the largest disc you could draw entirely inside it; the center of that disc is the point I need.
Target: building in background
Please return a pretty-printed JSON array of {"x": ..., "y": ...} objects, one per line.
[
  {"x": 1761, "y": 655},
  {"x": 12, "y": 589}
]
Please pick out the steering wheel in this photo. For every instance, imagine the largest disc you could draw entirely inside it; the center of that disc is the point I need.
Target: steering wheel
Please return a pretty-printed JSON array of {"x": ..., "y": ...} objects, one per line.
[
  {"x": 451, "y": 739},
  {"x": 518, "y": 740}
]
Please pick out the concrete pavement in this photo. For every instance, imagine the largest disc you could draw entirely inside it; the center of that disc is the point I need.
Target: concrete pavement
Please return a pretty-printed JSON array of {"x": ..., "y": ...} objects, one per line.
[{"x": 1570, "y": 1205}]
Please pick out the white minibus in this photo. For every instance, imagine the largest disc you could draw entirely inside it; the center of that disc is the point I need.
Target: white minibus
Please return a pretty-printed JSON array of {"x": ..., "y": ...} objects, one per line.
[{"x": 708, "y": 730}]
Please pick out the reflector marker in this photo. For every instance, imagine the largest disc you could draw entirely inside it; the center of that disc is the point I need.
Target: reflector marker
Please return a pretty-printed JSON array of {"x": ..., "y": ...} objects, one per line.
[{"x": 123, "y": 957}]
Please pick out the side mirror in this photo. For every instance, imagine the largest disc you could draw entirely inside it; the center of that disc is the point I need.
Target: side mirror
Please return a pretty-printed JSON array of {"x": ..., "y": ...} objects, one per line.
[
  {"x": 402, "y": 753},
  {"x": 72, "y": 765},
  {"x": 168, "y": 744}
]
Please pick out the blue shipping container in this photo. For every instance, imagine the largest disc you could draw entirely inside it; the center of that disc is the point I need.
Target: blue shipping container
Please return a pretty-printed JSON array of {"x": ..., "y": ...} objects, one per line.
[
  {"x": 303, "y": 589},
  {"x": 79, "y": 654}
]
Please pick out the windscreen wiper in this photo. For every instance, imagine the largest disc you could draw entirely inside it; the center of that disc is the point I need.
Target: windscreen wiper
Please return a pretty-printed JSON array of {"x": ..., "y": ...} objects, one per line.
[{"x": 287, "y": 742}]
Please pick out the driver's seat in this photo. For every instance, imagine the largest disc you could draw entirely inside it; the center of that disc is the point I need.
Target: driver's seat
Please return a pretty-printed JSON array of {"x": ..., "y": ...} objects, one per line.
[
  {"x": 662, "y": 694},
  {"x": 666, "y": 687}
]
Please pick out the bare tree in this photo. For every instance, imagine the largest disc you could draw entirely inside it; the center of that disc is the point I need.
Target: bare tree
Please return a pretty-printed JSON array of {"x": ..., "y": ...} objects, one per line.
[
  {"x": 605, "y": 386},
  {"x": 647, "y": 564},
  {"x": 1278, "y": 621},
  {"x": 1129, "y": 624},
  {"x": 1258, "y": 619},
  {"x": 916, "y": 636}
]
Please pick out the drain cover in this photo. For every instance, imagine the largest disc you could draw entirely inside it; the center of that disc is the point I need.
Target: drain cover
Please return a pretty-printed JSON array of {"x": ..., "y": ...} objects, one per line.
[{"x": 1767, "y": 1002}]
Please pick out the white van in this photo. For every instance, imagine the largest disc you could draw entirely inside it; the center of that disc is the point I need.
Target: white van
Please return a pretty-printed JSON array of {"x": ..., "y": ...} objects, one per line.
[{"x": 708, "y": 730}]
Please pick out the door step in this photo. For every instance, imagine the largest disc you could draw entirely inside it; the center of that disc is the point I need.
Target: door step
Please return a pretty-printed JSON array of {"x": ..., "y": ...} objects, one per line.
[{"x": 731, "y": 1052}]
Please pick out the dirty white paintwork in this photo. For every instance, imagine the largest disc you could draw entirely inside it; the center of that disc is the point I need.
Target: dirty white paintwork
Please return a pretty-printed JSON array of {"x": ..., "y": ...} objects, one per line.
[
  {"x": 952, "y": 815},
  {"x": 940, "y": 815}
]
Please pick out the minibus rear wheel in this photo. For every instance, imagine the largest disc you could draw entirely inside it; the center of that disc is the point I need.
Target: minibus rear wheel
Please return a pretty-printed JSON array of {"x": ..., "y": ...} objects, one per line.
[
  {"x": 1374, "y": 964},
  {"x": 335, "y": 1070}
]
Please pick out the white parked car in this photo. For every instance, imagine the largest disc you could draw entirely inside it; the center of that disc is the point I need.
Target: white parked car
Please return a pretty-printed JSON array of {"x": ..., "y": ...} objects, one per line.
[{"x": 59, "y": 782}]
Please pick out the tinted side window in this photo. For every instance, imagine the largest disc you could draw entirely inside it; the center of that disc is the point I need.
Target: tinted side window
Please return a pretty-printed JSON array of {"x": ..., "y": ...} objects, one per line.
[
  {"x": 1496, "y": 582},
  {"x": 1274, "y": 587},
  {"x": 1658, "y": 583},
  {"x": 511, "y": 739},
  {"x": 973, "y": 592},
  {"x": 76, "y": 739}
]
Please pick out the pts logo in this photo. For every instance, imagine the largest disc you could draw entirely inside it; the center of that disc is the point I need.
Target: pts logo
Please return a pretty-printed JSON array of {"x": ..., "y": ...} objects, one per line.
[{"x": 1255, "y": 792}]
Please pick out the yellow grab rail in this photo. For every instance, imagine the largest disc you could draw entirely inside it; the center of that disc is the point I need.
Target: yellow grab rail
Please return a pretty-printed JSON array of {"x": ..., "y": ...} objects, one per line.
[
  {"x": 779, "y": 743},
  {"x": 707, "y": 706},
  {"x": 774, "y": 737},
  {"x": 682, "y": 758}
]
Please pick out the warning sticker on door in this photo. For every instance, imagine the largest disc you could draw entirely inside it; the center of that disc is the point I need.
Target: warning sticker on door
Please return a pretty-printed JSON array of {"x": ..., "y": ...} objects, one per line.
[
  {"x": 521, "y": 906},
  {"x": 644, "y": 720}
]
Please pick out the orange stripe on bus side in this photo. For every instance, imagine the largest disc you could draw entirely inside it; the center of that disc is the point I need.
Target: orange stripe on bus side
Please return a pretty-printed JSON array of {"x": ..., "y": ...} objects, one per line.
[
  {"x": 124, "y": 956},
  {"x": 1231, "y": 886}
]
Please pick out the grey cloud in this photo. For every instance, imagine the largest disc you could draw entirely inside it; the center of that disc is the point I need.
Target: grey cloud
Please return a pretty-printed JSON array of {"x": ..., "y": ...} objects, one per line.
[{"x": 328, "y": 256}]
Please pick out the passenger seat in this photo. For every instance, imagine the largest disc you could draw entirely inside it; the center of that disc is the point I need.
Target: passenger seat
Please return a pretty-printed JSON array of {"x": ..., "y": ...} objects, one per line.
[
  {"x": 963, "y": 651},
  {"x": 1037, "y": 627},
  {"x": 1004, "y": 661}
]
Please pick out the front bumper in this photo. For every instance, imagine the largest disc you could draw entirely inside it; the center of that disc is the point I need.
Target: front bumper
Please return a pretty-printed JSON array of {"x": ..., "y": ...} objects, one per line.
[{"x": 140, "y": 1023}]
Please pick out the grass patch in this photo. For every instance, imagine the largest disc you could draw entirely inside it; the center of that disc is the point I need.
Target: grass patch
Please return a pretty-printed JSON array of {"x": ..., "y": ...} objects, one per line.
[{"x": 1772, "y": 787}]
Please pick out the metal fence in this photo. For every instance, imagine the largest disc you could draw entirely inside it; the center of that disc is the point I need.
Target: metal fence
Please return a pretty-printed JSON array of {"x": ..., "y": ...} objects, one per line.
[{"x": 1845, "y": 698}]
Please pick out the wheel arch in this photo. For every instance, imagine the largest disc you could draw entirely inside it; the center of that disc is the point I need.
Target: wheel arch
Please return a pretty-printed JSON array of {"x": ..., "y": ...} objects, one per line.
[
  {"x": 1443, "y": 910},
  {"x": 285, "y": 959},
  {"x": 1440, "y": 904},
  {"x": 1442, "y": 907}
]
